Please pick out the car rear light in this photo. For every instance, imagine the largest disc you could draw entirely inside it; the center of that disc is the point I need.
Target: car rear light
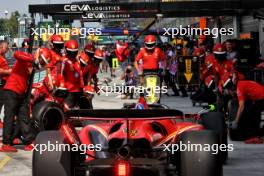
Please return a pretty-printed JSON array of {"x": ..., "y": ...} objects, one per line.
[
  {"x": 68, "y": 133},
  {"x": 123, "y": 169}
]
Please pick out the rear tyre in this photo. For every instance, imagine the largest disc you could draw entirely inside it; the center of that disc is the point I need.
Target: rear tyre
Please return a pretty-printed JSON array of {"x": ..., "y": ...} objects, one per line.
[
  {"x": 47, "y": 116},
  {"x": 200, "y": 162},
  {"x": 55, "y": 162},
  {"x": 215, "y": 121}
]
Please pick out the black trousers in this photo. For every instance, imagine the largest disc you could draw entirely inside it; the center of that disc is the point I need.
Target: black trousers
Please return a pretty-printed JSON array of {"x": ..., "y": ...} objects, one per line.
[
  {"x": 15, "y": 107},
  {"x": 172, "y": 84},
  {"x": 251, "y": 117},
  {"x": 1, "y": 99}
]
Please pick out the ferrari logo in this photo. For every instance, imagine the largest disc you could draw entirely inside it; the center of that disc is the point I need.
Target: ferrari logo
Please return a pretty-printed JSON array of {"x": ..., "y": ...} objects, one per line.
[{"x": 131, "y": 132}]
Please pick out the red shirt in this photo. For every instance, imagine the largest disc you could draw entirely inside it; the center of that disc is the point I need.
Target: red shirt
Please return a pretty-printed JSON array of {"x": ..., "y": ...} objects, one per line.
[
  {"x": 225, "y": 66},
  {"x": 55, "y": 63},
  {"x": 219, "y": 68},
  {"x": 90, "y": 71},
  {"x": 249, "y": 90},
  {"x": 150, "y": 59},
  {"x": 4, "y": 65},
  {"x": 72, "y": 75},
  {"x": 18, "y": 79}
]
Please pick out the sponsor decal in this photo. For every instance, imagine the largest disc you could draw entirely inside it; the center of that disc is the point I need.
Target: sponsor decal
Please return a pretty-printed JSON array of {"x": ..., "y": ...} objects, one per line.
[
  {"x": 91, "y": 8},
  {"x": 100, "y": 15}
]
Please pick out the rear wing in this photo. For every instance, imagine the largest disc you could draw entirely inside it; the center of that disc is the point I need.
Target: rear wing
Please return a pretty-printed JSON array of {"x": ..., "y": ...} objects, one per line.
[{"x": 125, "y": 114}]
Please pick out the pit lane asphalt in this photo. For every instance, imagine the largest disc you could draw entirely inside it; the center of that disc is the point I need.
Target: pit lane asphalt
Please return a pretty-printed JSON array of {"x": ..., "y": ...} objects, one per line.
[{"x": 245, "y": 160}]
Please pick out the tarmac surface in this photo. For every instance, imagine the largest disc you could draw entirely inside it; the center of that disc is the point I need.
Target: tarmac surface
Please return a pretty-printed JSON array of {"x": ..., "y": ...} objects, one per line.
[{"x": 245, "y": 160}]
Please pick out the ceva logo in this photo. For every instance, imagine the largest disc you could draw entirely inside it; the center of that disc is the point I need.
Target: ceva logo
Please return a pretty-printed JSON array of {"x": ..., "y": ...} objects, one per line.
[
  {"x": 86, "y": 8},
  {"x": 93, "y": 16},
  {"x": 76, "y": 8}
]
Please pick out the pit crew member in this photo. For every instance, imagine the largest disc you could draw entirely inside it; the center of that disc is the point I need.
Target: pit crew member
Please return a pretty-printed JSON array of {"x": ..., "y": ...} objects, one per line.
[{"x": 15, "y": 91}]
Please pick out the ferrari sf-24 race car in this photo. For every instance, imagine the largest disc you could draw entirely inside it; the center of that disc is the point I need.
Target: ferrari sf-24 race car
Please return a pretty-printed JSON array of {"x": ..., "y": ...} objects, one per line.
[{"x": 128, "y": 142}]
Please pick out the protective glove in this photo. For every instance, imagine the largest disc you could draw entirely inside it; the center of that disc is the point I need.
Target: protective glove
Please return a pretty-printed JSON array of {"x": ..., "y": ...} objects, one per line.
[
  {"x": 60, "y": 92},
  {"x": 233, "y": 125}
]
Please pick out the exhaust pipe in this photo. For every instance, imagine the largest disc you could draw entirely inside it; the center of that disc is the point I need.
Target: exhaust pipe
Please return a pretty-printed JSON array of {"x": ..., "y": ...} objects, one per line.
[{"x": 124, "y": 151}]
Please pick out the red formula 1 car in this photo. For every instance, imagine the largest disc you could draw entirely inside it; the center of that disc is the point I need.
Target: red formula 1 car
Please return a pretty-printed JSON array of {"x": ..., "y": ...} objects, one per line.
[{"x": 132, "y": 142}]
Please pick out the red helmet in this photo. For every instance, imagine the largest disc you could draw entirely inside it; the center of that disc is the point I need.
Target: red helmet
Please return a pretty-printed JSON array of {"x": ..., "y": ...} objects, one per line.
[
  {"x": 57, "y": 39},
  {"x": 71, "y": 48},
  {"x": 57, "y": 42},
  {"x": 71, "y": 45},
  {"x": 199, "y": 52},
  {"x": 219, "y": 49},
  {"x": 98, "y": 56},
  {"x": 89, "y": 48},
  {"x": 150, "y": 42},
  {"x": 84, "y": 59},
  {"x": 42, "y": 57}
]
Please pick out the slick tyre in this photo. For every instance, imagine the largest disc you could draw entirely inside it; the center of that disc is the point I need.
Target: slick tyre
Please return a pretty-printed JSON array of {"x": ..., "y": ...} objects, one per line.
[
  {"x": 55, "y": 162},
  {"x": 47, "y": 116},
  {"x": 199, "y": 162},
  {"x": 215, "y": 121}
]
